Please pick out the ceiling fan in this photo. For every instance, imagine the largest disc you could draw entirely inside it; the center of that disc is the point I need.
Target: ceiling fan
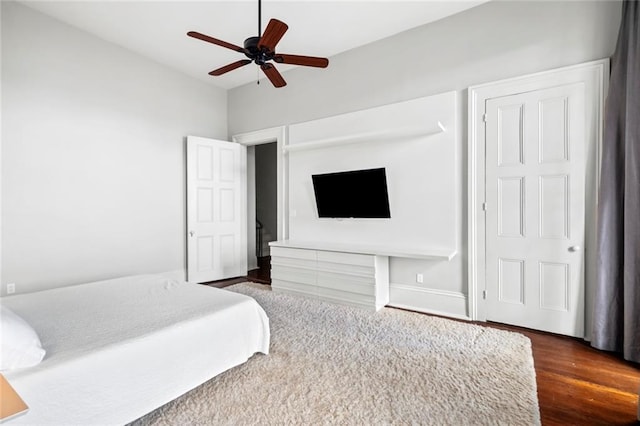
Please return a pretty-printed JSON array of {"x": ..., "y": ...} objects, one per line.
[{"x": 261, "y": 50}]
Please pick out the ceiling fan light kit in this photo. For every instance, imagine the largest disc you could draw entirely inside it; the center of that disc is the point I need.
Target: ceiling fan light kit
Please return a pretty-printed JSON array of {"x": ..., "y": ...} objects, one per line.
[{"x": 261, "y": 51}]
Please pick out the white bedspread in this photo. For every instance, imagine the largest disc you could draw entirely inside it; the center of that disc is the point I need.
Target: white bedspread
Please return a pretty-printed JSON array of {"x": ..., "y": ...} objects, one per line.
[{"x": 118, "y": 349}]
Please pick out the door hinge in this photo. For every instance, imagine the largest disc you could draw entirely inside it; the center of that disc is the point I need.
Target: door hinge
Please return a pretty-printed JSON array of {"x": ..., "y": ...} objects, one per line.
[
  {"x": 484, "y": 206},
  {"x": 484, "y": 294},
  {"x": 485, "y": 117}
]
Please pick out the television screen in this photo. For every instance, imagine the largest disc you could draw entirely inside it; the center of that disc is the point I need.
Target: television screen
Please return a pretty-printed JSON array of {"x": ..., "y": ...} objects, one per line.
[{"x": 352, "y": 194}]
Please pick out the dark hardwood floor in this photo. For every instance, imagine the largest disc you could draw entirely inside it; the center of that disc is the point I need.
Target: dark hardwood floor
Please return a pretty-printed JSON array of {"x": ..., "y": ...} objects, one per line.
[
  {"x": 577, "y": 385},
  {"x": 263, "y": 273},
  {"x": 260, "y": 275}
]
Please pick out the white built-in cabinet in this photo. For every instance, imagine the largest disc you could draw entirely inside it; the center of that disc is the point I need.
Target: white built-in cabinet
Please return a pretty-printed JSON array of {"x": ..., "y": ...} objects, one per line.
[
  {"x": 355, "y": 275},
  {"x": 346, "y": 278}
]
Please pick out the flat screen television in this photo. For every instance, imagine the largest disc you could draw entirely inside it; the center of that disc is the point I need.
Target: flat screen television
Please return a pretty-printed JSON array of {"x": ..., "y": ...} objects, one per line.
[{"x": 352, "y": 194}]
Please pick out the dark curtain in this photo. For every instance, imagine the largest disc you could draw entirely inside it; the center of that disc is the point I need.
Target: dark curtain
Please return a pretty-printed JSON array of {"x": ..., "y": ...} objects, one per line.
[{"x": 616, "y": 324}]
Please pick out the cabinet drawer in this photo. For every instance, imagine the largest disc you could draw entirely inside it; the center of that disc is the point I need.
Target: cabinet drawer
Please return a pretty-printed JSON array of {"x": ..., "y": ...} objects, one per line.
[
  {"x": 366, "y": 272},
  {"x": 340, "y": 282},
  {"x": 295, "y": 288},
  {"x": 346, "y": 298},
  {"x": 296, "y": 275},
  {"x": 293, "y": 253},
  {"x": 288, "y": 262}
]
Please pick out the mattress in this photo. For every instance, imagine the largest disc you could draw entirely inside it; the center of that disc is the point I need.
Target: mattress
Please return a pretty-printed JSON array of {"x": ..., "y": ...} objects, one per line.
[{"x": 118, "y": 349}]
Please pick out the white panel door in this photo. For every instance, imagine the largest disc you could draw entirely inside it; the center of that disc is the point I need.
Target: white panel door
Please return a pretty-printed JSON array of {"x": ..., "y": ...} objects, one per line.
[
  {"x": 535, "y": 212},
  {"x": 216, "y": 210}
]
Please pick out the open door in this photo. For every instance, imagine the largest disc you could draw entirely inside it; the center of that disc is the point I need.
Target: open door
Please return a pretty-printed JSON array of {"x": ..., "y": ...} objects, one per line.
[{"x": 216, "y": 210}]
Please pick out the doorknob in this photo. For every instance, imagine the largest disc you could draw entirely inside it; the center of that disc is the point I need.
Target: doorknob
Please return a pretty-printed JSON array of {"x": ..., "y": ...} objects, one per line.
[
  {"x": 191, "y": 233},
  {"x": 574, "y": 248}
]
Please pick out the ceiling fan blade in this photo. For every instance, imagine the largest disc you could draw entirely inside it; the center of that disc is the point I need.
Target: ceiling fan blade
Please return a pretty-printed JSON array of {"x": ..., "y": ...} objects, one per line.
[
  {"x": 273, "y": 75},
  {"x": 307, "y": 61},
  {"x": 272, "y": 35},
  {"x": 230, "y": 67},
  {"x": 209, "y": 39}
]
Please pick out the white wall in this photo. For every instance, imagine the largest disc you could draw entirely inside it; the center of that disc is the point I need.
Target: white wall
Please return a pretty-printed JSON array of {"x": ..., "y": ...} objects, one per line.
[
  {"x": 423, "y": 216},
  {"x": 1, "y": 150},
  {"x": 93, "y": 155},
  {"x": 496, "y": 40}
]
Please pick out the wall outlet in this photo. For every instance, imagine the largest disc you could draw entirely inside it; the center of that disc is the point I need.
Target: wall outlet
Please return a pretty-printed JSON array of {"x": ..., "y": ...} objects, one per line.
[
  {"x": 419, "y": 278},
  {"x": 11, "y": 288}
]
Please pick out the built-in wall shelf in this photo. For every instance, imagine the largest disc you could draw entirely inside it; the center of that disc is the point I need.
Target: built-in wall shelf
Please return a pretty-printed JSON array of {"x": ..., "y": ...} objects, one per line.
[
  {"x": 372, "y": 249},
  {"x": 373, "y": 136}
]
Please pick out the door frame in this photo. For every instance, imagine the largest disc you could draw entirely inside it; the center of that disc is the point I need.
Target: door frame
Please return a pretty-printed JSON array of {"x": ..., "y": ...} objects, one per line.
[
  {"x": 279, "y": 135},
  {"x": 595, "y": 75}
]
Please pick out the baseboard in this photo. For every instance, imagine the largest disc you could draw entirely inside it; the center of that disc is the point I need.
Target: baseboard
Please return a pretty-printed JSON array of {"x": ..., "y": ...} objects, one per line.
[{"x": 430, "y": 301}]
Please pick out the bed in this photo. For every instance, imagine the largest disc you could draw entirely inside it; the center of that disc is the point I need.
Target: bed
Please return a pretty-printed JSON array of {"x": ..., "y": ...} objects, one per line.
[{"x": 118, "y": 349}]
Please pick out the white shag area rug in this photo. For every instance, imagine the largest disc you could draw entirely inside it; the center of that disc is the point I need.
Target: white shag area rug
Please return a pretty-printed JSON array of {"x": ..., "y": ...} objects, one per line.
[{"x": 330, "y": 364}]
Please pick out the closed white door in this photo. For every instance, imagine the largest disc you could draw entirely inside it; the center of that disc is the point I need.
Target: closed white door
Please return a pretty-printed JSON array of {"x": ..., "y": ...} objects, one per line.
[
  {"x": 216, "y": 210},
  {"x": 535, "y": 209}
]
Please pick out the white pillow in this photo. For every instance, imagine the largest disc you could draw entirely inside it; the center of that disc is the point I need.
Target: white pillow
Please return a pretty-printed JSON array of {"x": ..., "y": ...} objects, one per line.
[{"x": 19, "y": 344}]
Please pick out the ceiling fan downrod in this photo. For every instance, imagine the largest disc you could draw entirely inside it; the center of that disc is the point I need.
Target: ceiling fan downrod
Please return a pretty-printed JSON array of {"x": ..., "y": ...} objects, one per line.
[
  {"x": 259, "y": 34},
  {"x": 259, "y": 18}
]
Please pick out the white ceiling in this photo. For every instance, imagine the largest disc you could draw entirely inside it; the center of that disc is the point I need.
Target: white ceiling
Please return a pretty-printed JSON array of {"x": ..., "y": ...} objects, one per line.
[{"x": 157, "y": 29}]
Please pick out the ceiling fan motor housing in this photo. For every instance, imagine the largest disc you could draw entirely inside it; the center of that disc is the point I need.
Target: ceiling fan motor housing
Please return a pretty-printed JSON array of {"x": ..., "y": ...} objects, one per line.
[{"x": 253, "y": 52}]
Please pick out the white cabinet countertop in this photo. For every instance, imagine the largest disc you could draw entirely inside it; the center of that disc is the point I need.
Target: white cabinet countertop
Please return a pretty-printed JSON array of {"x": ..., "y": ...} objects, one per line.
[{"x": 374, "y": 249}]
